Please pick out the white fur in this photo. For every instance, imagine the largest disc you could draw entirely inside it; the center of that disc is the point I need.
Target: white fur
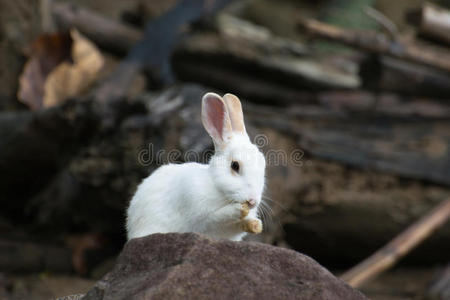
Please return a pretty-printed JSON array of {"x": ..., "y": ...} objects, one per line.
[{"x": 200, "y": 198}]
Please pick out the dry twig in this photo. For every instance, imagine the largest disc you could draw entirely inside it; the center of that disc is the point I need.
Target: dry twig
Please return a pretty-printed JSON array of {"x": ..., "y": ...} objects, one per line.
[{"x": 387, "y": 256}]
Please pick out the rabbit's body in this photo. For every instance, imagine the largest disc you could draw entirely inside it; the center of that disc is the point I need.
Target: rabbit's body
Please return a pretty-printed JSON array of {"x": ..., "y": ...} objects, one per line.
[
  {"x": 211, "y": 199},
  {"x": 159, "y": 209}
]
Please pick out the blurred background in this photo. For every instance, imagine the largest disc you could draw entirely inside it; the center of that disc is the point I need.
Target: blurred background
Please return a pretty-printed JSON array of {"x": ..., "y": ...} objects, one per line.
[{"x": 353, "y": 94}]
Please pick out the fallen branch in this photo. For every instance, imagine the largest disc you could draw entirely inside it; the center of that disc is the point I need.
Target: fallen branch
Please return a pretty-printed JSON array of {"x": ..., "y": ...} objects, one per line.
[
  {"x": 387, "y": 256},
  {"x": 383, "y": 21},
  {"x": 378, "y": 43}
]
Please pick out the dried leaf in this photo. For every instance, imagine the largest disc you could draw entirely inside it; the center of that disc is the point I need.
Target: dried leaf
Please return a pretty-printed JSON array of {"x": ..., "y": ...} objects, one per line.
[
  {"x": 61, "y": 66},
  {"x": 70, "y": 79},
  {"x": 45, "y": 54}
]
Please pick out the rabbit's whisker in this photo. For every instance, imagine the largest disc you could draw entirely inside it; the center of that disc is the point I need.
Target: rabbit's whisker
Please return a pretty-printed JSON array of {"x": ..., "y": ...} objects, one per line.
[{"x": 275, "y": 202}]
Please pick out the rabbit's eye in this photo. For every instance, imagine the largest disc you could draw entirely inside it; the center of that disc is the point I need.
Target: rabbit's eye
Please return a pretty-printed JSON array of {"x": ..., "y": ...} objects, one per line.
[{"x": 235, "y": 166}]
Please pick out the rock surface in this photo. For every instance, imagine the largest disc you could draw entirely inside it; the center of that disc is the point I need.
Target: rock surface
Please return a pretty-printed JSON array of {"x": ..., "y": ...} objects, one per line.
[{"x": 191, "y": 266}]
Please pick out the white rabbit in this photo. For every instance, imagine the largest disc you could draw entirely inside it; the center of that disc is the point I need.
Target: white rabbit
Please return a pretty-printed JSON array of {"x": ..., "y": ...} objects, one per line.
[{"x": 219, "y": 199}]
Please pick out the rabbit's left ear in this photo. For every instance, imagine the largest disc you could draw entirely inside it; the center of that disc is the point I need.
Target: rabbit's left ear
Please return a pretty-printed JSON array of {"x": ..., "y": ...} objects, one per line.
[
  {"x": 216, "y": 119},
  {"x": 234, "y": 108}
]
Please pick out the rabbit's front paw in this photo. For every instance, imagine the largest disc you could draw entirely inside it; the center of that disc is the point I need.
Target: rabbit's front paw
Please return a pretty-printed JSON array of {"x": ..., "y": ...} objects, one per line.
[
  {"x": 252, "y": 226},
  {"x": 245, "y": 209}
]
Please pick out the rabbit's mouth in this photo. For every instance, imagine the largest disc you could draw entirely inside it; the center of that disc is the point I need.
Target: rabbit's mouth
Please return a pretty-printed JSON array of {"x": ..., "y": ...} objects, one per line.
[{"x": 251, "y": 202}]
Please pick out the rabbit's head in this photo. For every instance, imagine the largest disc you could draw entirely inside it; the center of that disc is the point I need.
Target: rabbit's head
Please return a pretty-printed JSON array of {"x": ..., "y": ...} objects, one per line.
[{"x": 237, "y": 167}]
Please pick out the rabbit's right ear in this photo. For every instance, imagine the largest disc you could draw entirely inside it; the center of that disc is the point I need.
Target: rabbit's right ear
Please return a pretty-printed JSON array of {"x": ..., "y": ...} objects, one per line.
[
  {"x": 234, "y": 108},
  {"x": 216, "y": 120}
]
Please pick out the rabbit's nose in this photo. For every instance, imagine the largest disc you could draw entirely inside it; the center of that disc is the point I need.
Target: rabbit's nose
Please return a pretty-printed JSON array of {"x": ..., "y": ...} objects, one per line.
[{"x": 251, "y": 202}]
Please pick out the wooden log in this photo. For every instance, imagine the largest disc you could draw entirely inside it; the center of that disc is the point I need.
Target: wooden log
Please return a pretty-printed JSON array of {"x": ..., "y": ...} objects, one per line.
[
  {"x": 435, "y": 22},
  {"x": 212, "y": 58},
  {"x": 35, "y": 145},
  {"x": 216, "y": 61},
  {"x": 361, "y": 104},
  {"x": 258, "y": 37},
  {"x": 153, "y": 52},
  {"x": 412, "y": 149},
  {"x": 378, "y": 43},
  {"x": 275, "y": 58},
  {"x": 149, "y": 51},
  {"x": 391, "y": 74},
  {"x": 106, "y": 33},
  {"x": 252, "y": 50},
  {"x": 397, "y": 248},
  {"x": 251, "y": 87},
  {"x": 343, "y": 104},
  {"x": 208, "y": 51}
]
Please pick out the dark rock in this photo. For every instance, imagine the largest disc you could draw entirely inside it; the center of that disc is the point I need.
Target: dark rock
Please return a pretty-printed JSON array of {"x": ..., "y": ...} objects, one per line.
[{"x": 191, "y": 266}]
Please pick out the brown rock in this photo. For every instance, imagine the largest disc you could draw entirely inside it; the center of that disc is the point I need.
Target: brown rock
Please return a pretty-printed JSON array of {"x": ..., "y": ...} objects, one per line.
[{"x": 191, "y": 266}]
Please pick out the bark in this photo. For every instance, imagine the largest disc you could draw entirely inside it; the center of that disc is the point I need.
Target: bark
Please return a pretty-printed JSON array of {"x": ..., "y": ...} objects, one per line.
[
  {"x": 415, "y": 150},
  {"x": 406, "y": 78},
  {"x": 379, "y": 44}
]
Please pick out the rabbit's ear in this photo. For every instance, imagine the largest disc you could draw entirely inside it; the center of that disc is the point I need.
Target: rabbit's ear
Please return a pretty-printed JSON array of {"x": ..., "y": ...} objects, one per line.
[
  {"x": 235, "y": 110},
  {"x": 215, "y": 119}
]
